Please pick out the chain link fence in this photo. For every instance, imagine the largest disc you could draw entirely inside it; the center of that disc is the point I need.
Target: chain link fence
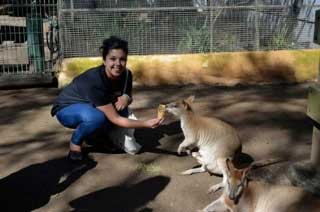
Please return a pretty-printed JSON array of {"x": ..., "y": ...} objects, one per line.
[
  {"x": 186, "y": 26},
  {"x": 28, "y": 40},
  {"x": 35, "y": 32}
]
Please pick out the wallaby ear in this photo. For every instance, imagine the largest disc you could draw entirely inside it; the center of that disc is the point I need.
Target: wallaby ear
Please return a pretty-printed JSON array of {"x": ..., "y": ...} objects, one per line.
[
  {"x": 190, "y": 99},
  {"x": 186, "y": 105},
  {"x": 230, "y": 165},
  {"x": 246, "y": 171}
]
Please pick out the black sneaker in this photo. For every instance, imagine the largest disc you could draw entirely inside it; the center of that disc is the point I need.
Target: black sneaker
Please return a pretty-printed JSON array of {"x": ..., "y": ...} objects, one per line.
[{"x": 75, "y": 156}]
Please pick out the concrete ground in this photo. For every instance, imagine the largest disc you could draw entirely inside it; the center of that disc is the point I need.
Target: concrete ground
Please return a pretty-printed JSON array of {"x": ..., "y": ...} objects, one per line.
[{"x": 35, "y": 176}]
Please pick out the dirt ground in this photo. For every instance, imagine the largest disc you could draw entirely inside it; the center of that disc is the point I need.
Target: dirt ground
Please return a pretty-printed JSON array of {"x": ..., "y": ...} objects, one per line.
[{"x": 35, "y": 176}]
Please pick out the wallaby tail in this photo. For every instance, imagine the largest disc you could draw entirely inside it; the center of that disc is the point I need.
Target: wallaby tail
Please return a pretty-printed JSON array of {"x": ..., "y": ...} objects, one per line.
[{"x": 266, "y": 162}]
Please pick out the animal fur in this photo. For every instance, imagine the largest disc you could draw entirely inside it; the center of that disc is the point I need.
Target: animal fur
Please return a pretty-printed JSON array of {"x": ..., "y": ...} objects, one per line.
[
  {"x": 242, "y": 195},
  {"x": 216, "y": 140}
]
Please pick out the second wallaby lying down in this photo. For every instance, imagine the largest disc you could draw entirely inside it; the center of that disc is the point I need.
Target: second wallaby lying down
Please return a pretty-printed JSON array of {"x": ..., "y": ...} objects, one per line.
[
  {"x": 240, "y": 194},
  {"x": 216, "y": 140}
]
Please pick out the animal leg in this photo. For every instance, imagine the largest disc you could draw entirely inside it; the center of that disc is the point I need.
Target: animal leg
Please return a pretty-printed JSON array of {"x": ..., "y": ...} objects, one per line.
[
  {"x": 223, "y": 168},
  {"x": 215, "y": 187},
  {"x": 198, "y": 157},
  {"x": 216, "y": 206},
  {"x": 185, "y": 144},
  {"x": 194, "y": 170}
]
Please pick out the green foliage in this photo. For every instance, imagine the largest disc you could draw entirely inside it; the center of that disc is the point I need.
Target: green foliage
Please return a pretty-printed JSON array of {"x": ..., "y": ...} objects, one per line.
[
  {"x": 195, "y": 39},
  {"x": 151, "y": 169},
  {"x": 281, "y": 40},
  {"x": 226, "y": 42},
  {"x": 135, "y": 28}
]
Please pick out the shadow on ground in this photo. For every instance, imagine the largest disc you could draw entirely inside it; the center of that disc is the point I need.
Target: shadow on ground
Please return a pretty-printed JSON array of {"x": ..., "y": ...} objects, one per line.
[
  {"x": 271, "y": 121},
  {"x": 122, "y": 198},
  {"x": 31, "y": 187},
  {"x": 150, "y": 138}
]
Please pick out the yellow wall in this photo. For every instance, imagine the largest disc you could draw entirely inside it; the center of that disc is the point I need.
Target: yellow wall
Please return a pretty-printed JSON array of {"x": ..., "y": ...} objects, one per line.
[{"x": 215, "y": 68}]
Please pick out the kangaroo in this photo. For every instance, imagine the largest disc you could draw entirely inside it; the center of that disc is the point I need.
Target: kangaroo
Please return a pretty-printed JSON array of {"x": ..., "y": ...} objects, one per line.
[
  {"x": 216, "y": 140},
  {"x": 241, "y": 194}
]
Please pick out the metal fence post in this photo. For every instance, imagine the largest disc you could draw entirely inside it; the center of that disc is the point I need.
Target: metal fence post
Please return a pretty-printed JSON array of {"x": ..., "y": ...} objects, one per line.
[
  {"x": 211, "y": 25},
  {"x": 256, "y": 25},
  {"x": 315, "y": 148},
  {"x": 35, "y": 39}
]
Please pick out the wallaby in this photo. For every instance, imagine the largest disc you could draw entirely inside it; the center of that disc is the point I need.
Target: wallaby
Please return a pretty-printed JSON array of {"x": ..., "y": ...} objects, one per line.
[
  {"x": 216, "y": 140},
  {"x": 241, "y": 194}
]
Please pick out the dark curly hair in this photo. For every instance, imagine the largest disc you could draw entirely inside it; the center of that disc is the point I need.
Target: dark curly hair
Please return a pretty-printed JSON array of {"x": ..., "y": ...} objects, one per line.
[{"x": 113, "y": 42}]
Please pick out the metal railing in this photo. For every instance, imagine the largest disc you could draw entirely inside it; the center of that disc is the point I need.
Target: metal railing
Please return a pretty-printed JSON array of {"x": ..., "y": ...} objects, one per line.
[
  {"x": 34, "y": 33},
  {"x": 179, "y": 27},
  {"x": 28, "y": 39}
]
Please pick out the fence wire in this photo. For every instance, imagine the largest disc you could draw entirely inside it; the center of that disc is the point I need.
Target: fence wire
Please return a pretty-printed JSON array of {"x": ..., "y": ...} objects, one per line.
[
  {"x": 28, "y": 43},
  {"x": 186, "y": 26}
]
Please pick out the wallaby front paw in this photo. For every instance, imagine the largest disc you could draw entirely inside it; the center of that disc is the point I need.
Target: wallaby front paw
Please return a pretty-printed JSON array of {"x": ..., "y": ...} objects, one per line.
[
  {"x": 180, "y": 150},
  {"x": 210, "y": 191},
  {"x": 187, "y": 172},
  {"x": 206, "y": 210},
  {"x": 214, "y": 188},
  {"x": 194, "y": 154}
]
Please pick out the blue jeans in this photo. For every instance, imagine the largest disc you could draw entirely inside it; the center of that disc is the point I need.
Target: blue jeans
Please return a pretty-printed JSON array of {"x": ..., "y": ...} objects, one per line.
[{"x": 85, "y": 119}]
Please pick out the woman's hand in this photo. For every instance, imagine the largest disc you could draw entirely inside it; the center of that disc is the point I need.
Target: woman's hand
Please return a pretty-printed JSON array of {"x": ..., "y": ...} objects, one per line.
[
  {"x": 153, "y": 123},
  {"x": 121, "y": 103},
  {"x": 120, "y": 121}
]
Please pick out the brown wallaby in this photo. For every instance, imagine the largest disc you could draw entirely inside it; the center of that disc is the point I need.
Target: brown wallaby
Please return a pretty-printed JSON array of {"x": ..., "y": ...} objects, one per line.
[
  {"x": 216, "y": 140},
  {"x": 240, "y": 194}
]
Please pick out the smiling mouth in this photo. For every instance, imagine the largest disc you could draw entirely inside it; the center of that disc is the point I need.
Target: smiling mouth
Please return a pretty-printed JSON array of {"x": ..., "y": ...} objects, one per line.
[{"x": 117, "y": 69}]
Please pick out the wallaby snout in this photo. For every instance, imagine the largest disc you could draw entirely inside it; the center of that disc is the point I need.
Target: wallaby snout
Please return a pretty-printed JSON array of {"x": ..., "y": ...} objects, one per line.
[
  {"x": 180, "y": 107},
  {"x": 232, "y": 196},
  {"x": 175, "y": 108},
  {"x": 171, "y": 106}
]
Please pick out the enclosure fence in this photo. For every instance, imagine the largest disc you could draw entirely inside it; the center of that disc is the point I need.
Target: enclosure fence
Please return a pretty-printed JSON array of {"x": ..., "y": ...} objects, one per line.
[
  {"x": 28, "y": 39},
  {"x": 34, "y": 34},
  {"x": 186, "y": 26}
]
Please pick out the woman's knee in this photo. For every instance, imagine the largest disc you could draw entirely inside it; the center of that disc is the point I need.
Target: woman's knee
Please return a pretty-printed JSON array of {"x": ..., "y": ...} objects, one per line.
[{"x": 94, "y": 116}]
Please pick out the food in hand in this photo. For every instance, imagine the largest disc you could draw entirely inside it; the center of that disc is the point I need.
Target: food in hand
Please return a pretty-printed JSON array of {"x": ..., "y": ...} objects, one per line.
[{"x": 161, "y": 111}]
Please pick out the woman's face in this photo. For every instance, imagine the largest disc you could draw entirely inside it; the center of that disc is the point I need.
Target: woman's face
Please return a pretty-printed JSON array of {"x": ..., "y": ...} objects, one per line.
[{"x": 115, "y": 63}]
